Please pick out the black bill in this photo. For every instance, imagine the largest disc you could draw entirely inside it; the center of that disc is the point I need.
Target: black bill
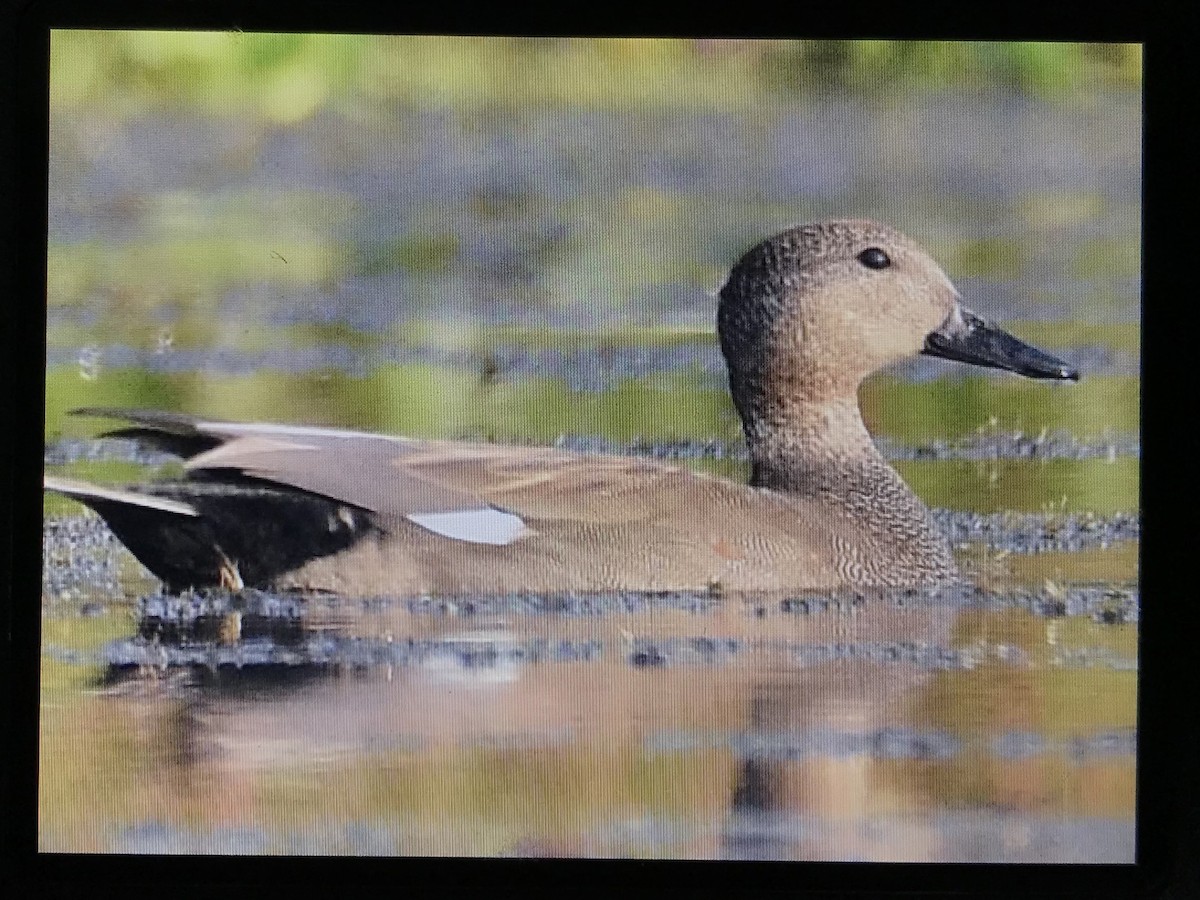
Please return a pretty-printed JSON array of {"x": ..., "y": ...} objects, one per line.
[{"x": 967, "y": 338}]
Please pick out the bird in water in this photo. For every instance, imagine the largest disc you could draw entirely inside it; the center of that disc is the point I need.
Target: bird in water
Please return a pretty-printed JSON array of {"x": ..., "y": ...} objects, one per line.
[{"x": 803, "y": 318}]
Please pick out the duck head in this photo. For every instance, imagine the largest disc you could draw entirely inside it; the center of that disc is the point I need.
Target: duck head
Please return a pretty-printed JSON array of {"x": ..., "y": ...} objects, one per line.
[{"x": 806, "y": 315}]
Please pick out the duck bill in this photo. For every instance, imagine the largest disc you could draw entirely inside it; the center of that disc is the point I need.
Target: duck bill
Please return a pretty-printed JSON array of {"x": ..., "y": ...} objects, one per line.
[{"x": 967, "y": 338}]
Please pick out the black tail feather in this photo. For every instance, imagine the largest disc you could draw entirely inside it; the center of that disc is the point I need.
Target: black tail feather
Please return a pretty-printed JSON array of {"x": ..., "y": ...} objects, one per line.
[{"x": 246, "y": 531}]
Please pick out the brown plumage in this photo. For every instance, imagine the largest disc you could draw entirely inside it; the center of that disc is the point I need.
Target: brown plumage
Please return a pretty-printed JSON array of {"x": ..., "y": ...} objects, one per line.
[{"x": 803, "y": 318}]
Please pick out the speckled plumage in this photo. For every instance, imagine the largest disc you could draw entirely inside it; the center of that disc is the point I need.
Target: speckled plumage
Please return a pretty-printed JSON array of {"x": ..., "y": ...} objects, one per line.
[
  {"x": 802, "y": 320},
  {"x": 794, "y": 375}
]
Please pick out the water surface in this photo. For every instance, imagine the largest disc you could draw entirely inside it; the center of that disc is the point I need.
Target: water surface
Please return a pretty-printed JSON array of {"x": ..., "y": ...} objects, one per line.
[{"x": 548, "y": 276}]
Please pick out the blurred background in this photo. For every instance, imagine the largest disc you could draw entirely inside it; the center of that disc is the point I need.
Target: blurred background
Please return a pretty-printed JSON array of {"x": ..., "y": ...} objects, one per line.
[
  {"x": 288, "y": 77},
  {"x": 521, "y": 240},
  {"x": 233, "y": 216}
]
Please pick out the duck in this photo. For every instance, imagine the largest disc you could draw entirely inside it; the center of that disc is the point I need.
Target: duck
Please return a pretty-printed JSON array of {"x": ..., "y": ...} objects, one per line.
[{"x": 803, "y": 318}]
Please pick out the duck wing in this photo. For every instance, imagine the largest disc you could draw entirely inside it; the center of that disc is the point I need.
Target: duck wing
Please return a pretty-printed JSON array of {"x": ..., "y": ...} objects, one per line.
[
  {"x": 480, "y": 493},
  {"x": 361, "y": 513}
]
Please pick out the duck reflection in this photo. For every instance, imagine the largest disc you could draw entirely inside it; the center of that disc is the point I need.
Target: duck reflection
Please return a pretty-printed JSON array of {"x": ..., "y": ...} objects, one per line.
[
  {"x": 754, "y": 728},
  {"x": 815, "y": 765}
]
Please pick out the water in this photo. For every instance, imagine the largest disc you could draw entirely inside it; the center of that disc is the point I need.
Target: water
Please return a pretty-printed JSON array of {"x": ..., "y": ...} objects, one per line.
[{"x": 540, "y": 277}]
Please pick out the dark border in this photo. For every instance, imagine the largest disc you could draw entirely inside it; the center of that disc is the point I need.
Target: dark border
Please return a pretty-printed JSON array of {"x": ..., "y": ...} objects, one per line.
[{"x": 1167, "y": 814}]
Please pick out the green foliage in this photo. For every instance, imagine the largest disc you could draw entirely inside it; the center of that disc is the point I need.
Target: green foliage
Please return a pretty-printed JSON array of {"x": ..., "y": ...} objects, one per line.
[
  {"x": 1034, "y": 67},
  {"x": 413, "y": 253},
  {"x": 1096, "y": 486},
  {"x": 288, "y": 77},
  {"x": 952, "y": 408}
]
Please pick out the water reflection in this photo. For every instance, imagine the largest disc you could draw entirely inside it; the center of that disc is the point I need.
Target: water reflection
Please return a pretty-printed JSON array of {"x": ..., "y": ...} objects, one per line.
[
  {"x": 738, "y": 730},
  {"x": 836, "y": 718},
  {"x": 548, "y": 272}
]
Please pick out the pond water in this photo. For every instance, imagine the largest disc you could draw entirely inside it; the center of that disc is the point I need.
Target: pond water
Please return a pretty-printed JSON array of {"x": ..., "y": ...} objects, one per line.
[{"x": 540, "y": 276}]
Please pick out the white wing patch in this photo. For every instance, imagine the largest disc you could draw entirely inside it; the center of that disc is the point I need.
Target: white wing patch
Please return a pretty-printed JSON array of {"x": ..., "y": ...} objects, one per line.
[{"x": 476, "y": 526}]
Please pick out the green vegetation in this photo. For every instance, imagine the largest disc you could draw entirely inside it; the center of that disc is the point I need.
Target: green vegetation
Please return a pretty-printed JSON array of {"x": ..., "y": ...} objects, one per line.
[
  {"x": 438, "y": 401},
  {"x": 1126, "y": 337},
  {"x": 101, "y": 471},
  {"x": 1117, "y": 564},
  {"x": 953, "y": 408},
  {"x": 288, "y": 77},
  {"x": 196, "y": 332},
  {"x": 994, "y": 486},
  {"x": 183, "y": 268},
  {"x": 418, "y": 400}
]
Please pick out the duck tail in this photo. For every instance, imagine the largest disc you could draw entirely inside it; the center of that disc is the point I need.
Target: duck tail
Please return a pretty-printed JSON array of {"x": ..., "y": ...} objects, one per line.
[
  {"x": 175, "y": 433},
  {"x": 98, "y": 497},
  {"x": 169, "y": 536}
]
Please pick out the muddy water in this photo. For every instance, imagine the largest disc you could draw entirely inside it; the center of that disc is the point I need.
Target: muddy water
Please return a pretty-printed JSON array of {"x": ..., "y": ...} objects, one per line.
[{"x": 533, "y": 279}]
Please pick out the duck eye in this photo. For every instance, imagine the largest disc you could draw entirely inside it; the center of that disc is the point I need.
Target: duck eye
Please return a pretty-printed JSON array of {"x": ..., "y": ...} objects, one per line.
[{"x": 874, "y": 258}]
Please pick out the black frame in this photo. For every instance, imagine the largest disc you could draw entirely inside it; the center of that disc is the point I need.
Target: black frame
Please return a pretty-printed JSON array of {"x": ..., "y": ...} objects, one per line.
[{"x": 1165, "y": 705}]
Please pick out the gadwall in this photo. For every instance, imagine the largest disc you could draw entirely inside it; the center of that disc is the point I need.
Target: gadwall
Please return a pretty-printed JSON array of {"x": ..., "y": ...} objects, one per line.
[{"x": 803, "y": 318}]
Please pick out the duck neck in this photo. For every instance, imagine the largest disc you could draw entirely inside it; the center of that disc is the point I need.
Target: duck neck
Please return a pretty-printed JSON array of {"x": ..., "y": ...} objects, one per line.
[
  {"x": 810, "y": 447},
  {"x": 824, "y": 451}
]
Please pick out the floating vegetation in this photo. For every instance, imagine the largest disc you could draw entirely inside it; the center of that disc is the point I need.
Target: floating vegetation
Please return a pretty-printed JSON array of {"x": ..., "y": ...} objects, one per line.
[
  {"x": 190, "y": 631},
  {"x": 585, "y": 367},
  {"x": 1015, "y": 445},
  {"x": 1037, "y": 532}
]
